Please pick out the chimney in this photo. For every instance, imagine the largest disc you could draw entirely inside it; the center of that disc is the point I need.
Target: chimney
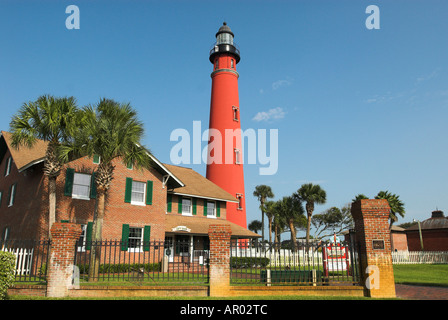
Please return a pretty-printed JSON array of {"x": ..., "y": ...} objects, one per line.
[{"x": 437, "y": 214}]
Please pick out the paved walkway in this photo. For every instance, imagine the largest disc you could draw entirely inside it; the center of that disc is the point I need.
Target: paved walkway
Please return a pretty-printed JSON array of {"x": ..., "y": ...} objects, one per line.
[{"x": 411, "y": 292}]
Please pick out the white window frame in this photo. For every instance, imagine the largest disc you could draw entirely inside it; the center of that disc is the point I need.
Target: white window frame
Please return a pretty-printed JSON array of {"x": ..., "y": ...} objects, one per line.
[
  {"x": 184, "y": 212},
  {"x": 138, "y": 203},
  {"x": 12, "y": 195},
  {"x": 8, "y": 166},
  {"x": 137, "y": 248},
  {"x": 239, "y": 196},
  {"x": 237, "y": 156},
  {"x": 80, "y": 196},
  {"x": 235, "y": 113},
  {"x": 213, "y": 215},
  {"x": 6, "y": 234},
  {"x": 83, "y": 238}
]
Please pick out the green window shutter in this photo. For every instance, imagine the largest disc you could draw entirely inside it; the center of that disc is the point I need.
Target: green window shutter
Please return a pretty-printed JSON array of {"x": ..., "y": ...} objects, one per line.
[
  {"x": 89, "y": 235},
  {"x": 69, "y": 176},
  {"x": 146, "y": 237},
  {"x": 218, "y": 209},
  {"x": 169, "y": 200},
  {"x": 92, "y": 187},
  {"x": 149, "y": 187},
  {"x": 194, "y": 206},
  {"x": 179, "y": 206},
  {"x": 65, "y": 221},
  {"x": 205, "y": 208},
  {"x": 96, "y": 159},
  {"x": 125, "y": 237},
  {"x": 128, "y": 191}
]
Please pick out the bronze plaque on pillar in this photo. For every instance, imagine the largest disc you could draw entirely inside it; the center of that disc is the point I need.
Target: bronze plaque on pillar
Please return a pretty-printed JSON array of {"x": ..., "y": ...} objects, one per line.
[{"x": 378, "y": 244}]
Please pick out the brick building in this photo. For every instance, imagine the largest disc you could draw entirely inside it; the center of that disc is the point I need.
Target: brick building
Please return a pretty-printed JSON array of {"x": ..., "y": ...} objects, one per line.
[
  {"x": 434, "y": 233},
  {"x": 164, "y": 202}
]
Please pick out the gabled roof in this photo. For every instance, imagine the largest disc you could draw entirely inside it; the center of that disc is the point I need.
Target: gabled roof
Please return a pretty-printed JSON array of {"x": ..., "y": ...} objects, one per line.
[
  {"x": 197, "y": 185},
  {"x": 23, "y": 157}
]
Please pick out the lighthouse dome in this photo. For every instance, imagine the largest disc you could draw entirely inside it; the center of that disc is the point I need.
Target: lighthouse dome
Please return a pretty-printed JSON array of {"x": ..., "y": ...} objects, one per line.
[{"x": 225, "y": 29}]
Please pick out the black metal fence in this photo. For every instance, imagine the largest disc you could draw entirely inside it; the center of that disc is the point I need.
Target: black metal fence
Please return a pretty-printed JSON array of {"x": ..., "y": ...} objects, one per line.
[
  {"x": 142, "y": 263},
  {"x": 322, "y": 263},
  {"x": 31, "y": 259}
]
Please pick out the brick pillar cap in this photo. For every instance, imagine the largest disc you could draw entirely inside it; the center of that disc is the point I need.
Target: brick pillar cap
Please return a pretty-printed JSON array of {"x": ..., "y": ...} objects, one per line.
[
  {"x": 222, "y": 228},
  {"x": 66, "y": 228}
]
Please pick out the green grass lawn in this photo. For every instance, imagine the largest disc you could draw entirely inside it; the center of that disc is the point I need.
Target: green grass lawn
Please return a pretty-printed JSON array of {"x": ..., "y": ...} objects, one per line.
[
  {"x": 422, "y": 274},
  {"x": 415, "y": 274}
]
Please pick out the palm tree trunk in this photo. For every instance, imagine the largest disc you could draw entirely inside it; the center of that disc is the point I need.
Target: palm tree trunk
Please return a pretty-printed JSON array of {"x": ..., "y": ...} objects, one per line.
[
  {"x": 95, "y": 252},
  {"x": 293, "y": 235},
  {"x": 270, "y": 231},
  {"x": 51, "y": 202}
]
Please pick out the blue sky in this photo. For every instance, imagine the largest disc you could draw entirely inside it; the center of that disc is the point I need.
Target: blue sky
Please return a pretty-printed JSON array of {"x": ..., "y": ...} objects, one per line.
[{"x": 357, "y": 110}]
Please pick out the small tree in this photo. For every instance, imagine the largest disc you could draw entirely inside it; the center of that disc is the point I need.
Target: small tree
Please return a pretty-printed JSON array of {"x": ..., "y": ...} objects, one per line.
[
  {"x": 113, "y": 132},
  {"x": 292, "y": 210},
  {"x": 7, "y": 264},
  {"x": 333, "y": 220},
  {"x": 311, "y": 194},
  {"x": 263, "y": 192},
  {"x": 50, "y": 119},
  {"x": 395, "y": 204}
]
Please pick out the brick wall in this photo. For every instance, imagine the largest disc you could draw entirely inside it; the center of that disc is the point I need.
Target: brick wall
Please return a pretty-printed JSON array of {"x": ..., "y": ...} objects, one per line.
[
  {"x": 27, "y": 218},
  {"x": 60, "y": 266},
  {"x": 371, "y": 219},
  {"x": 219, "y": 268},
  {"x": 433, "y": 240}
]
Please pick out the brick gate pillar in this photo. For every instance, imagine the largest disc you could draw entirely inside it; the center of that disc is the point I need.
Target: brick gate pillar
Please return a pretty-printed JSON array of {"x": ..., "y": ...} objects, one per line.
[
  {"x": 371, "y": 217},
  {"x": 62, "y": 254},
  {"x": 219, "y": 267}
]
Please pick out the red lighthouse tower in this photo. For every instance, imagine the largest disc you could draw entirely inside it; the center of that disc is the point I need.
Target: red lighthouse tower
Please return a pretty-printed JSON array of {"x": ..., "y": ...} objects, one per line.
[{"x": 225, "y": 157}]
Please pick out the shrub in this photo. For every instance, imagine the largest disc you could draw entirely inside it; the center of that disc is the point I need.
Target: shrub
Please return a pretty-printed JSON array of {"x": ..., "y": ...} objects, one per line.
[
  {"x": 248, "y": 262},
  {"x": 7, "y": 265}
]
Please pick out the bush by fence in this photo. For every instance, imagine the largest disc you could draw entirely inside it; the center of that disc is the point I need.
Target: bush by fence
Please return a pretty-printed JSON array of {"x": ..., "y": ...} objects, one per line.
[
  {"x": 247, "y": 262},
  {"x": 7, "y": 266}
]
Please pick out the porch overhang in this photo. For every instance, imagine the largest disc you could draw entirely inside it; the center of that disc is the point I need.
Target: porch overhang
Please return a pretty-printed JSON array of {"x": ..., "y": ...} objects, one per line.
[{"x": 198, "y": 226}]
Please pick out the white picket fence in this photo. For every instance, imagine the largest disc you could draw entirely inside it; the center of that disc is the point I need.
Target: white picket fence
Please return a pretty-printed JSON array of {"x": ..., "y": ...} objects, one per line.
[
  {"x": 419, "y": 257},
  {"x": 24, "y": 258}
]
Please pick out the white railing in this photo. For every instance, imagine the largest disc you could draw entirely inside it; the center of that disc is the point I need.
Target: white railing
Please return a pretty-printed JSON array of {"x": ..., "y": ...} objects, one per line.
[
  {"x": 419, "y": 257},
  {"x": 24, "y": 258}
]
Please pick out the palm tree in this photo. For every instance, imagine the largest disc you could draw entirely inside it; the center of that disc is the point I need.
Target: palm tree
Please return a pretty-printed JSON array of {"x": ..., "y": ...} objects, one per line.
[
  {"x": 270, "y": 209},
  {"x": 52, "y": 120},
  {"x": 359, "y": 197},
  {"x": 395, "y": 204},
  {"x": 279, "y": 222},
  {"x": 262, "y": 192},
  {"x": 311, "y": 194},
  {"x": 111, "y": 131},
  {"x": 292, "y": 210},
  {"x": 254, "y": 226}
]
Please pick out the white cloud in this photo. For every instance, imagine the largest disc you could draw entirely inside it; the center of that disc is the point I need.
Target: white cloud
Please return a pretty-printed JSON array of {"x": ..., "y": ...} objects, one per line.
[
  {"x": 280, "y": 83},
  {"x": 271, "y": 114}
]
